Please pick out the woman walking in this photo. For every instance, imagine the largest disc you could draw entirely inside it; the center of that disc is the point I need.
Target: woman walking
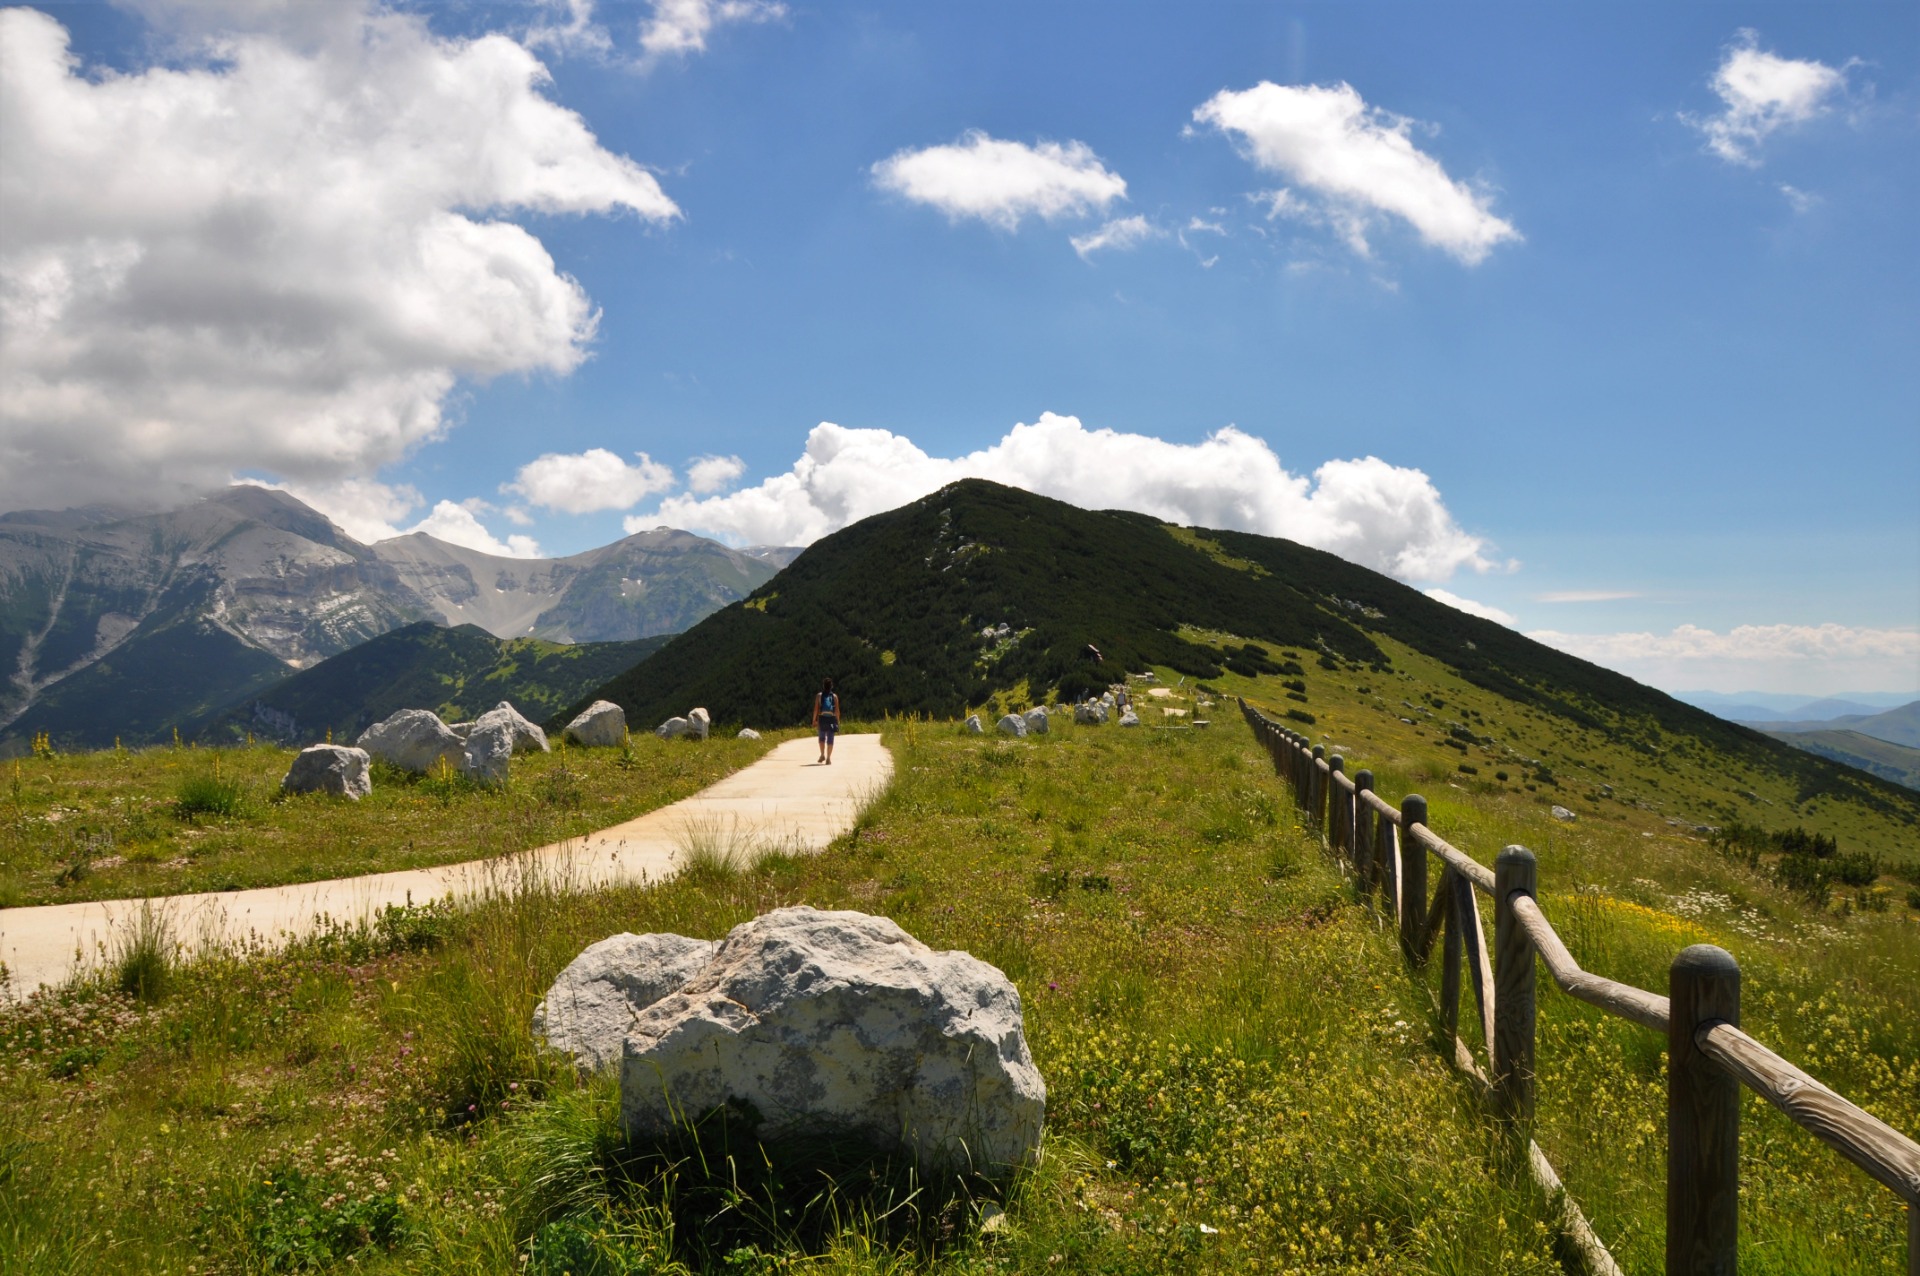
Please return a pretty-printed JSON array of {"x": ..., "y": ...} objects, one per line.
[{"x": 826, "y": 719}]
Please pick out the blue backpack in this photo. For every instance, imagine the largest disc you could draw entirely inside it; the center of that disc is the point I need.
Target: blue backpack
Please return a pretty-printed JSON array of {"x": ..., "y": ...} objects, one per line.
[{"x": 830, "y": 705}]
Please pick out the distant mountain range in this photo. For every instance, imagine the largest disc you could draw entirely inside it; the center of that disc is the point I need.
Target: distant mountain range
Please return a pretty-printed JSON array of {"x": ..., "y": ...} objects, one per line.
[
  {"x": 1766, "y": 706},
  {"x": 119, "y": 624},
  {"x": 1896, "y": 726}
]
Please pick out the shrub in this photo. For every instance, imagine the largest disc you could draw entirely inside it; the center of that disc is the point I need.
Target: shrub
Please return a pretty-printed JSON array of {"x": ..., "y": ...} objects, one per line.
[
  {"x": 1500, "y": 776},
  {"x": 1301, "y": 715},
  {"x": 1913, "y": 898},
  {"x": 208, "y": 795},
  {"x": 143, "y": 958},
  {"x": 1468, "y": 768}
]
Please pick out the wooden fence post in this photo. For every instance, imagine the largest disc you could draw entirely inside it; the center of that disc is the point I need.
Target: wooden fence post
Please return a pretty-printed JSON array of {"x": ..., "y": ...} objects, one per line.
[
  {"x": 1363, "y": 833},
  {"x": 1514, "y": 873},
  {"x": 1413, "y": 877},
  {"x": 1453, "y": 932},
  {"x": 1317, "y": 790},
  {"x": 1703, "y": 1119},
  {"x": 1384, "y": 847},
  {"x": 1336, "y": 806}
]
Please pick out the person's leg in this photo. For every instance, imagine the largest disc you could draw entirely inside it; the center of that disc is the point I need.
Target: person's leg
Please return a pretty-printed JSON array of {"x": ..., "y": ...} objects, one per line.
[{"x": 832, "y": 731}]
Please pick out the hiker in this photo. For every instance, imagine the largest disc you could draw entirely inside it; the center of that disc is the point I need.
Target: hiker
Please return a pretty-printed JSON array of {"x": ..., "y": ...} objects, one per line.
[{"x": 826, "y": 719}]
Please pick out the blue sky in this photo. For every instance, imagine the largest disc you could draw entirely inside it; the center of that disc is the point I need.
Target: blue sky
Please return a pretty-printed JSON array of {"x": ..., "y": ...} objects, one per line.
[{"x": 1643, "y": 336}]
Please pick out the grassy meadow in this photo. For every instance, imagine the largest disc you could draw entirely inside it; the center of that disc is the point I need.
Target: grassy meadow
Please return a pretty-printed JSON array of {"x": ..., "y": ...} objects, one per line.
[
  {"x": 1242, "y": 1074},
  {"x": 124, "y": 823}
]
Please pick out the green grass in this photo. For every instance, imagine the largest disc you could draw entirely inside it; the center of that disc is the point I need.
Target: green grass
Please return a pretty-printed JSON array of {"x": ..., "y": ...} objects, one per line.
[
  {"x": 1241, "y": 1074},
  {"x": 126, "y": 823}
]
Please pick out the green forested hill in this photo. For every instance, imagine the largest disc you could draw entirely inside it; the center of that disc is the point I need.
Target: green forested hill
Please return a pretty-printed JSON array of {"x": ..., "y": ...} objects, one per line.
[
  {"x": 893, "y": 607},
  {"x": 459, "y": 673}
]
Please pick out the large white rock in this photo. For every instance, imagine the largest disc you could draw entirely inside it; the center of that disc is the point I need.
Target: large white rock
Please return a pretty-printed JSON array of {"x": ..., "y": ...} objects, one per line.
[
  {"x": 592, "y": 1003},
  {"x": 599, "y": 725},
  {"x": 973, "y": 725},
  {"x": 412, "y": 739},
  {"x": 699, "y": 723},
  {"x": 1129, "y": 719},
  {"x": 842, "y": 1023},
  {"x": 673, "y": 728},
  {"x": 329, "y": 768},
  {"x": 527, "y": 738},
  {"x": 1037, "y": 720},
  {"x": 488, "y": 751},
  {"x": 748, "y": 733},
  {"x": 1091, "y": 714},
  {"x": 1012, "y": 724}
]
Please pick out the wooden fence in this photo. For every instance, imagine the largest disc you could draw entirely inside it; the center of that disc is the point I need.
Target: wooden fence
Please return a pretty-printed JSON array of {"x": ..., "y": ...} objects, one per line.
[{"x": 1708, "y": 1057}]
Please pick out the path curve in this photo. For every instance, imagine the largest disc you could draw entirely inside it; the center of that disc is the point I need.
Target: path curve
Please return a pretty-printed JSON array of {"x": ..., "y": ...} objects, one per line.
[{"x": 784, "y": 801}]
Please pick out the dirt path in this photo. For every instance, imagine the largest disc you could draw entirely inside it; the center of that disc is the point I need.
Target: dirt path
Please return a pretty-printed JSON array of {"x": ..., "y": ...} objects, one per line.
[{"x": 783, "y": 800}]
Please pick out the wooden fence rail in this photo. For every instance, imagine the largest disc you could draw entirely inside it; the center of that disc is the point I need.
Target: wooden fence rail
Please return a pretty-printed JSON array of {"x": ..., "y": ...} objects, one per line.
[{"x": 1708, "y": 1057}]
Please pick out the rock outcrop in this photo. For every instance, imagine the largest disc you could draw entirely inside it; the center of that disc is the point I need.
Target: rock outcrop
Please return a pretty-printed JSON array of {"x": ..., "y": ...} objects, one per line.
[
  {"x": 840, "y": 1023},
  {"x": 329, "y": 768},
  {"x": 592, "y": 1003},
  {"x": 600, "y": 725},
  {"x": 413, "y": 740}
]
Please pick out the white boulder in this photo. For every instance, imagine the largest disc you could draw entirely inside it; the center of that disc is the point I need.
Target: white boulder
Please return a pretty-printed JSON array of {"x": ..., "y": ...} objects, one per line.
[
  {"x": 461, "y": 729},
  {"x": 526, "y": 737},
  {"x": 673, "y": 728},
  {"x": 1013, "y": 724},
  {"x": 699, "y": 723},
  {"x": 413, "y": 740},
  {"x": 1091, "y": 714},
  {"x": 488, "y": 751},
  {"x": 840, "y": 1023},
  {"x": 599, "y": 725},
  {"x": 1129, "y": 719},
  {"x": 329, "y": 768},
  {"x": 1037, "y": 720},
  {"x": 592, "y": 1003},
  {"x": 973, "y": 725},
  {"x": 1562, "y": 813},
  {"x": 748, "y": 733}
]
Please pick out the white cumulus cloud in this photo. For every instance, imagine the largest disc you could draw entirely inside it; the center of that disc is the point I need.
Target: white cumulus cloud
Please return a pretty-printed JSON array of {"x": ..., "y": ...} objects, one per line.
[
  {"x": 1809, "y": 659},
  {"x": 1119, "y": 234},
  {"x": 1357, "y": 162},
  {"x": 1483, "y": 610},
  {"x": 1762, "y": 93},
  {"x": 1387, "y": 517},
  {"x": 713, "y": 473},
  {"x": 459, "y": 524},
  {"x": 682, "y": 26},
  {"x": 583, "y": 482},
  {"x": 279, "y": 256},
  {"x": 1002, "y": 182}
]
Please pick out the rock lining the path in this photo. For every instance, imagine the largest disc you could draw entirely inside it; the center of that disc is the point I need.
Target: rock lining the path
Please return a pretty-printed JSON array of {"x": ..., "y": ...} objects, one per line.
[
  {"x": 330, "y": 768},
  {"x": 413, "y": 740},
  {"x": 594, "y": 1001},
  {"x": 841, "y": 1023},
  {"x": 600, "y": 725}
]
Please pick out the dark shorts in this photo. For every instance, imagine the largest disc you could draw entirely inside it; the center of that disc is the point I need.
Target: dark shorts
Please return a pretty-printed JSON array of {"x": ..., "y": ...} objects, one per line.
[{"x": 829, "y": 727}]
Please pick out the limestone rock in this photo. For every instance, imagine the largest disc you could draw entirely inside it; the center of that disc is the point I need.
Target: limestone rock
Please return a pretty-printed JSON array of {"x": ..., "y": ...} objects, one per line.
[
  {"x": 842, "y": 1023},
  {"x": 526, "y": 737},
  {"x": 699, "y": 723},
  {"x": 461, "y": 729},
  {"x": 599, "y": 725},
  {"x": 973, "y": 725},
  {"x": 592, "y": 1003},
  {"x": 673, "y": 728},
  {"x": 748, "y": 733},
  {"x": 487, "y": 753},
  {"x": 1562, "y": 813},
  {"x": 1129, "y": 719},
  {"x": 413, "y": 740},
  {"x": 1037, "y": 721},
  {"x": 1091, "y": 714},
  {"x": 329, "y": 768},
  {"x": 1013, "y": 724}
]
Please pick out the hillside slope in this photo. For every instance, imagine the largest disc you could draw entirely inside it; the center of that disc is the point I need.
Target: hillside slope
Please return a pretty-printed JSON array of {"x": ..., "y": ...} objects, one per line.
[
  {"x": 458, "y": 672},
  {"x": 1895, "y": 726},
  {"x": 894, "y": 608},
  {"x": 1889, "y": 761}
]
